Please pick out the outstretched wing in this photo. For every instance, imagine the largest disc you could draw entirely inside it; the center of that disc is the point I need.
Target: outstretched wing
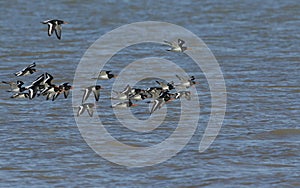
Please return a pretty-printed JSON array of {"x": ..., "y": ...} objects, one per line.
[
  {"x": 19, "y": 73},
  {"x": 50, "y": 29},
  {"x": 90, "y": 111},
  {"x": 86, "y": 94},
  {"x": 66, "y": 94},
  {"x": 96, "y": 94},
  {"x": 55, "y": 95},
  {"x": 32, "y": 92},
  {"x": 81, "y": 109},
  {"x": 188, "y": 95},
  {"x": 58, "y": 31},
  {"x": 127, "y": 89},
  {"x": 48, "y": 78},
  {"x": 168, "y": 43},
  {"x": 31, "y": 65},
  {"x": 180, "y": 42},
  {"x": 157, "y": 104},
  {"x": 180, "y": 78},
  {"x": 36, "y": 82}
]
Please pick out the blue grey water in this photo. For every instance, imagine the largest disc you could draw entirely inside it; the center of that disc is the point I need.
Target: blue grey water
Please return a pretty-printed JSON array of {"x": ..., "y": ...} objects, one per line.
[{"x": 256, "y": 44}]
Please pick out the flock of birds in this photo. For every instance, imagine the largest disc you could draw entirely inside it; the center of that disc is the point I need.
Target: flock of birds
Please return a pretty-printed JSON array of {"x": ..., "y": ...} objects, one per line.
[
  {"x": 158, "y": 95},
  {"x": 43, "y": 86}
]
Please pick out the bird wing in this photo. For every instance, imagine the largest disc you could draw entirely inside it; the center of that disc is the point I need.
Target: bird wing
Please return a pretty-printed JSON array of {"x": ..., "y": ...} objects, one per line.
[
  {"x": 55, "y": 95},
  {"x": 168, "y": 43},
  {"x": 127, "y": 89},
  {"x": 20, "y": 73},
  {"x": 50, "y": 29},
  {"x": 36, "y": 82},
  {"x": 86, "y": 94},
  {"x": 102, "y": 73},
  {"x": 188, "y": 97},
  {"x": 31, "y": 65},
  {"x": 81, "y": 109},
  {"x": 48, "y": 78},
  {"x": 96, "y": 94},
  {"x": 157, "y": 104},
  {"x": 12, "y": 85},
  {"x": 180, "y": 42},
  {"x": 163, "y": 85},
  {"x": 90, "y": 111},
  {"x": 66, "y": 94},
  {"x": 49, "y": 95},
  {"x": 32, "y": 92},
  {"x": 58, "y": 31},
  {"x": 180, "y": 78}
]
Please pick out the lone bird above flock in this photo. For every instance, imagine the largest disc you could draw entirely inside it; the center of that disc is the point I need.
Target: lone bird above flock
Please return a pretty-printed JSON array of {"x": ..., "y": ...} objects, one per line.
[{"x": 54, "y": 25}]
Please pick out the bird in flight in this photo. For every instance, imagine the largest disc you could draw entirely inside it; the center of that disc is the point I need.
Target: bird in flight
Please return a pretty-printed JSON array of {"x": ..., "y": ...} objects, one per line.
[{"x": 54, "y": 25}]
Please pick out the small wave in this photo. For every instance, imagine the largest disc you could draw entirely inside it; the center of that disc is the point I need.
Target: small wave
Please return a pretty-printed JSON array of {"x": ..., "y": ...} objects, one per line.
[{"x": 287, "y": 134}]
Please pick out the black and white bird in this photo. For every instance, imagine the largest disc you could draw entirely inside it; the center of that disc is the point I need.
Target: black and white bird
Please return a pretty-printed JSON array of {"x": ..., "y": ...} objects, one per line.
[
  {"x": 34, "y": 87},
  {"x": 48, "y": 79},
  {"x": 176, "y": 46},
  {"x": 51, "y": 92},
  {"x": 166, "y": 86},
  {"x": 47, "y": 88},
  {"x": 185, "y": 94},
  {"x": 65, "y": 88},
  {"x": 15, "y": 86},
  {"x": 86, "y": 106},
  {"x": 20, "y": 95},
  {"x": 154, "y": 92},
  {"x": 95, "y": 89},
  {"x": 54, "y": 25},
  {"x": 125, "y": 104},
  {"x": 106, "y": 75},
  {"x": 138, "y": 96},
  {"x": 27, "y": 70},
  {"x": 186, "y": 82},
  {"x": 122, "y": 95},
  {"x": 161, "y": 100}
]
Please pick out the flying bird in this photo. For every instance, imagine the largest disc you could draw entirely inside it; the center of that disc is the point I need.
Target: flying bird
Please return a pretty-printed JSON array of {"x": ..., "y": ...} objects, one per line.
[
  {"x": 95, "y": 89},
  {"x": 161, "y": 100},
  {"x": 20, "y": 95},
  {"x": 54, "y": 25},
  {"x": 123, "y": 95},
  {"x": 166, "y": 86},
  {"x": 86, "y": 106},
  {"x": 35, "y": 86},
  {"x": 106, "y": 75},
  {"x": 176, "y": 46},
  {"x": 125, "y": 104},
  {"x": 65, "y": 88},
  {"x": 185, "y": 94},
  {"x": 15, "y": 86},
  {"x": 27, "y": 70},
  {"x": 186, "y": 82}
]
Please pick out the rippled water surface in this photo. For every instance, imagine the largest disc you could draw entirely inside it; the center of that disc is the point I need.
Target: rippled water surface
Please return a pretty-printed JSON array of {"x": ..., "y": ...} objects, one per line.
[{"x": 256, "y": 44}]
